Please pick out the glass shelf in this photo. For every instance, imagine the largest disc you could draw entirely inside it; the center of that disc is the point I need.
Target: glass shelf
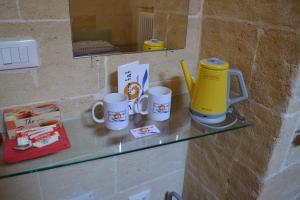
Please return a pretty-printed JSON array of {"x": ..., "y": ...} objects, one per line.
[{"x": 93, "y": 141}]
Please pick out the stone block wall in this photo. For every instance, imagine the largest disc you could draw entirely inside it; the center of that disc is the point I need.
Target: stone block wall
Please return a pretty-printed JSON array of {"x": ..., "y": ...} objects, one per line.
[
  {"x": 76, "y": 84},
  {"x": 262, "y": 40}
]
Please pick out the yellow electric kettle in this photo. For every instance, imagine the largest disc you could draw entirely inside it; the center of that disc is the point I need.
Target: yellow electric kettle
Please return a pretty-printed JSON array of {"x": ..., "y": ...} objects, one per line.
[{"x": 210, "y": 92}]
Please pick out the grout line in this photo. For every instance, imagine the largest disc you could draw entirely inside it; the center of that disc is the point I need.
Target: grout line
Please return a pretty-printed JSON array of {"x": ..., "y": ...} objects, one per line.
[
  {"x": 116, "y": 175},
  {"x": 95, "y": 63},
  {"x": 200, "y": 31},
  {"x": 40, "y": 187},
  {"x": 49, "y": 100},
  {"x": 35, "y": 78},
  {"x": 18, "y": 8},
  {"x": 94, "y": 95},
  {"x": 106, "y": 80},
  {"x": 4, "y": 21},
  {"x": 197, "y": 15},
  {"x": 253, "y": 68}
]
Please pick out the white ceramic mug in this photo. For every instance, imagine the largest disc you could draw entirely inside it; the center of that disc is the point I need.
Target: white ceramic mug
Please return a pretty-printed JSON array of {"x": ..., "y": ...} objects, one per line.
[
  {"x": 159, "y": 103},
  {"x": 115, "y": 106}
]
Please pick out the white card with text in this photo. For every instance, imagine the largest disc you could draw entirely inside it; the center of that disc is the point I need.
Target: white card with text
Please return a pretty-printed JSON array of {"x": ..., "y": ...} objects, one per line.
[
  {"x": 133, "y": 81},
  {"x": 144, "y": 131}
]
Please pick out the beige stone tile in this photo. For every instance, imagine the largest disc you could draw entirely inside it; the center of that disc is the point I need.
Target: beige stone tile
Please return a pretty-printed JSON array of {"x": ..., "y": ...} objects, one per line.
[
  {"x": 233, "y": 42},
  {"x": 285, "y": 185},
  {"x": 282, "y": 144},
  {"x": 276, "y": 65},
  {"x": 177, "y": 86},
  {"x": 72, "y": 80},
  {"x": 25, "y": 187},
  {"x": 158, "y": 187},
  {"x": 176, "y": 31},
  {"x": 210, "y": 165},
  {"x": 242, "y": 183},
  {"x": 142, "y": 166},
  {"x": 194, "y": 6},
  {"x": 8, "y": 9},
  {"x": 15, "y": 88},
  {"x": 43, "y": 9},
  {"x": 59, "y": 74},
  {"x": 67, "y": 182},
  {"x": 279, "y": 12},
  {"x": 228, "y": 142},
  {"x": 256, "y": 142},
  {"x": 195, "y": 190},
  {"x": 75, "y": 108}
]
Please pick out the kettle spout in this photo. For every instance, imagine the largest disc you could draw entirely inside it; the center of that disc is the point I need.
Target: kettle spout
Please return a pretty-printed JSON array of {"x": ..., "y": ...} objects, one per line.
[{"x": 188, "y": 79}]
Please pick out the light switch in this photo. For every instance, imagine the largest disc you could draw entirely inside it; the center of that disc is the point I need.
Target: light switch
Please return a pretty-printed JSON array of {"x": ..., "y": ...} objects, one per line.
[
  {"x": 15, "y": 55},
  {"x": 6, "y": 56},
  {"x": 24, "y": 54},
  {"x": 18, "y": 54}
]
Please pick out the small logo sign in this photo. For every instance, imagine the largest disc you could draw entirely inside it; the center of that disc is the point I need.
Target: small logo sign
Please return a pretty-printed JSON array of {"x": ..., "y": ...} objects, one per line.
[
  {"x": 132, "y": 90},
  {"x": 117, "y": 116},
  {"x": 161, "y": 108}
]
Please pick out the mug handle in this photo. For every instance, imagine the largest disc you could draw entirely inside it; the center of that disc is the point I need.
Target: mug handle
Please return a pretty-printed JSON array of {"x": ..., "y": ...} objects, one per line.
[
  {"x": 93, "y": 112},
  {"x": 139, "y": 105},
  {"x": 238, "y": 73}
]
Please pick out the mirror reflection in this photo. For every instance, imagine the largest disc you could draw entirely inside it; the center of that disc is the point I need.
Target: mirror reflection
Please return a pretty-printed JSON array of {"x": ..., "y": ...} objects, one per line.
[{"x": 116, "y": 26}]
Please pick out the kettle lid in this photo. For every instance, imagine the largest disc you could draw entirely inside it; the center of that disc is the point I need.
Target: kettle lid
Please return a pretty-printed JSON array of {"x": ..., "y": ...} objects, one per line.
[{"x": 214, "y": 64}]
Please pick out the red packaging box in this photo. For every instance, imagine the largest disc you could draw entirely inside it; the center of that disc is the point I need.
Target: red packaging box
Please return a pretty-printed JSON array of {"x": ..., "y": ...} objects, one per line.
[
  {"x": 13, "y": 156},
  {"x": 30, "y": 116}
]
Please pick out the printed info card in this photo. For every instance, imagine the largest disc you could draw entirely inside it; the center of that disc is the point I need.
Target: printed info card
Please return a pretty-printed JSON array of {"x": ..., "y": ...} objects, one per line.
[{"x": 144, "y": 131}]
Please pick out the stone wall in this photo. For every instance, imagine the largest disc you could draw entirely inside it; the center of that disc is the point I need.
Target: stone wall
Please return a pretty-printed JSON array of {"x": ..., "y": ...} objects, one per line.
[
  {"x": 262, "y": 39},
  {"x": 76, "y": 84}
]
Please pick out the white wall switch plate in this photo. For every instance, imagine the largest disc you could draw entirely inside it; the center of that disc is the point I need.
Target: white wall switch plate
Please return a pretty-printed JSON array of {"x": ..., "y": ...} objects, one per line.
[
  {"x": 145, "y": 195},
  {"x": 18, "y": 54},
  {"x": 86, "y": 196}
]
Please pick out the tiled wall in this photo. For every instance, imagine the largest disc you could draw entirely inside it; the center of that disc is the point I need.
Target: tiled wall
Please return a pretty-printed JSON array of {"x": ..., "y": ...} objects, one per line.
[
  {"x": 262, "y": 39},
  {"x": 76, "y": 84}
]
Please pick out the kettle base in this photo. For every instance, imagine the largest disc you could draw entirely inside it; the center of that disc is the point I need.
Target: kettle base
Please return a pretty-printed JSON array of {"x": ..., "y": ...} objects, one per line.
[{"x": 208, "y": 119}]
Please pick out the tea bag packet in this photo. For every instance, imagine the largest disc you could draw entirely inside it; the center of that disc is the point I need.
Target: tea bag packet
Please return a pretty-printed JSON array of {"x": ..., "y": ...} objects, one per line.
[
  {"x": 133, "y": 81},
  {"x": 38, "y": 136}
]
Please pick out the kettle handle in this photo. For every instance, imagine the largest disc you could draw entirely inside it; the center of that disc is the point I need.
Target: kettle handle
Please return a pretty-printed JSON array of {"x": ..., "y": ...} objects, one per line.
[{"x": 238, "y": 73}]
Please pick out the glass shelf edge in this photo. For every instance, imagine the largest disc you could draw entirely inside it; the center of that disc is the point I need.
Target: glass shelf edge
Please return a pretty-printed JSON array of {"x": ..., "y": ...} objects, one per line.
[{"x": 247, "y": 124}]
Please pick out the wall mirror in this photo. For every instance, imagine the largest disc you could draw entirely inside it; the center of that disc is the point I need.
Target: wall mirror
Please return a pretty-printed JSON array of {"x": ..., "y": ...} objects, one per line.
[{"x": 118, "y": 26}]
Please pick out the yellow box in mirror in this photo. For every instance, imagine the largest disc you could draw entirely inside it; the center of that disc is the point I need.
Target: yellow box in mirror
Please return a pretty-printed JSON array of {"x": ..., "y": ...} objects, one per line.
[{"x": 153, "y": 45}]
